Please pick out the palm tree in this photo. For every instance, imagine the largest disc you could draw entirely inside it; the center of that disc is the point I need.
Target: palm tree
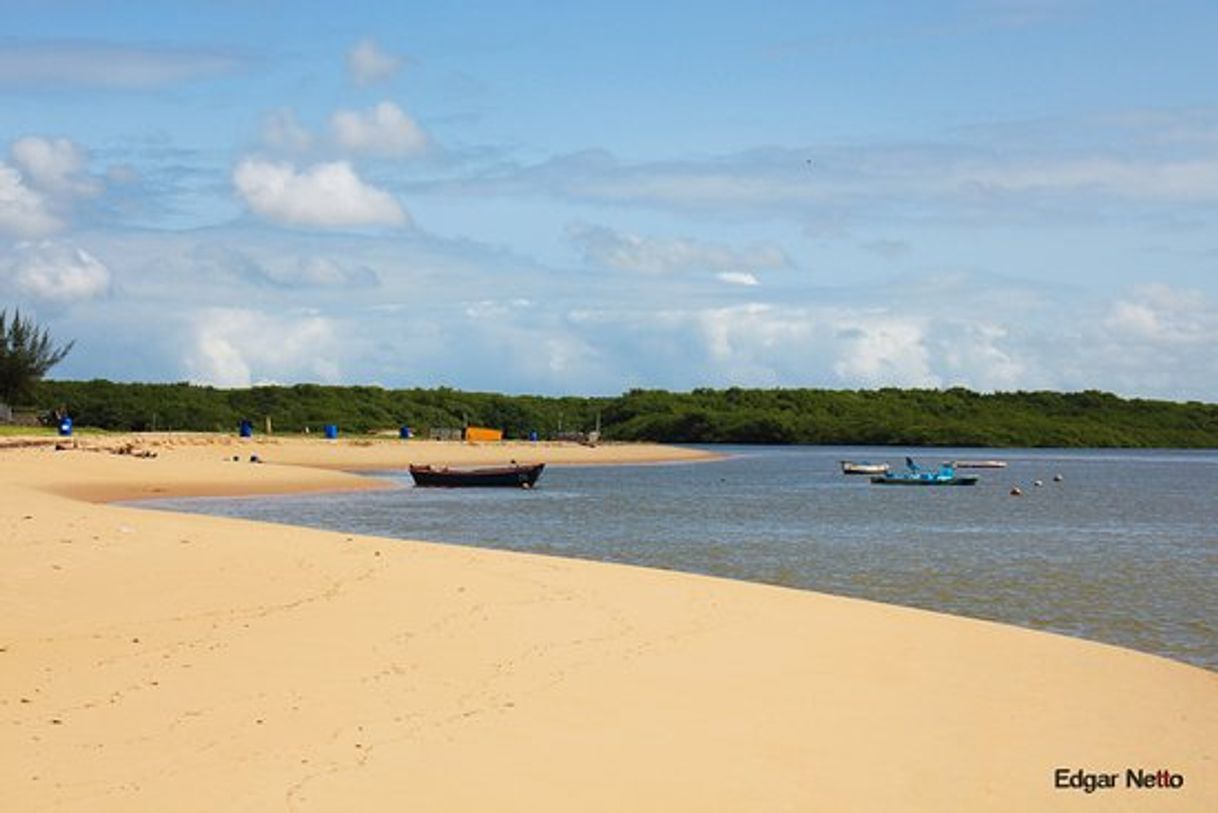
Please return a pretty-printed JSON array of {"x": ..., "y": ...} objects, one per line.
[{"x": 26, "y": 354}]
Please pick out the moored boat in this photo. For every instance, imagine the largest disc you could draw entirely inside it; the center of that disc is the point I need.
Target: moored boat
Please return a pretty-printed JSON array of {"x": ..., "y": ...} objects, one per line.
[
  {"x": 513, "y": 476},
  {"x": 967, "y": 463},
  {"x": 914, "y": 475},
  {"x": 863, "y": 467}
]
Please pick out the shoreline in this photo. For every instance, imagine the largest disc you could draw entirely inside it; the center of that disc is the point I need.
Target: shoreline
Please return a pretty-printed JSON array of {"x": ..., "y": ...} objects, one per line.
[{"x": 151, "y": 659}]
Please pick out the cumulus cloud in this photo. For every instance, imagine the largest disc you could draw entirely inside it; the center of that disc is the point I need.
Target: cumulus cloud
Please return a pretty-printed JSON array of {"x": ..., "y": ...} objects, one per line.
[
  {"x": 47, "y": 176},
  {"x": 545, "y": 332},
  {"x": 1161, "y": 315},
  {"x": 648, "y": 255},
  {"x": 978, "y": 355},
  {"x": 384, "y": 130},
  {"x": 327, "y": 195},
  {"x": 233, "y": 347},
  {"x": 54, "y": 273},
  {"x": 765, "y": 344},
  {"x": 368, "y": 64},
  {"x": 883, "y": 350},
  {"x": 24, "y": 212},
  {"x": 55, "y": 166}
]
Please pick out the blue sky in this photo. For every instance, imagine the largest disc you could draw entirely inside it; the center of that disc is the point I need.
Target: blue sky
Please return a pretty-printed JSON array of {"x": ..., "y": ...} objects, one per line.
[{"x": 567, "y": 198}]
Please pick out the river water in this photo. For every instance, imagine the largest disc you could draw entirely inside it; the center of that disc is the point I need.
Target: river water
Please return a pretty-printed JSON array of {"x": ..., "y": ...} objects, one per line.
[{"x": 1124, "y": 549}]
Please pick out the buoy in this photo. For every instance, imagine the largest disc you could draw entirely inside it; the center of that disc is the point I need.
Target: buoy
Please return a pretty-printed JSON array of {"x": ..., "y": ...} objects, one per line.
[
  {"x": 1015, "y": 492},
  {"x": 1057, "y": 478},
  {"x": 1038, "y": 483}
]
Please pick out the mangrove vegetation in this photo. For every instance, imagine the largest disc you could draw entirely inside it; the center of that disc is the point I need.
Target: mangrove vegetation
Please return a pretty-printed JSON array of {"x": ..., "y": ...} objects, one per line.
[{"x": 893, "y": 417}]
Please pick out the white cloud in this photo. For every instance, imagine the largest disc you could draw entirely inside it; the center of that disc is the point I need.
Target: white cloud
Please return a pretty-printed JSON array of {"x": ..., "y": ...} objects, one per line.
[
  {"x": 55, "y": 273},
  {"x": 383, "y": 130},
  {"x": 328, "y": 195},
  {"x": 647, "y": 255},
  {"x": 54, "y": 166},
  {"x": 1161, "y": 315},
  {"x": 46, "y": 178},
  {"x": 883, "y": 350},
  {"x": 547, "y": 331},
  {"x": 737, "y": 278},
  {"x": 975, "y": 355},
  {"x": 368, "y": 64},
  {"x": 24, "y": 212},
  {"x": 232, "y": 347},
  {"x": 761, "y": 344},
  {"x": 1134, "y": 319}
]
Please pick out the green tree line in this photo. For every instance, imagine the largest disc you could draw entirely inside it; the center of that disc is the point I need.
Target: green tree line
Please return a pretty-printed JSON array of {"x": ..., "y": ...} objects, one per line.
[{"x": 896, "y": 417}]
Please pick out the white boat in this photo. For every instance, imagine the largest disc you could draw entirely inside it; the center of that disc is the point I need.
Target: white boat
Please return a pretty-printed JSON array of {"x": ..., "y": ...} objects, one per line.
[
  {"x": 863, "y": 467},
  {"x": 966, "y": 463}
]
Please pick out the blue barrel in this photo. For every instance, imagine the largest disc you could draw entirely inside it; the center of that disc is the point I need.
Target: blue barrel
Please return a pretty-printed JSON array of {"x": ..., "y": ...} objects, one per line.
[
  {"x": 247, "y": 429},
  {"x": 65, "y": 426},
  {"x": 331, "y": 430},
  {"x": 406, "y": 433},
  {"x": 533, "y": 436}
]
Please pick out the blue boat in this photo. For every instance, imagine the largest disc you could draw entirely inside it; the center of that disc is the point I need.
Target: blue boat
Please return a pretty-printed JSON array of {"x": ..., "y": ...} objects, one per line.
[{"x": 914, "y": 475}]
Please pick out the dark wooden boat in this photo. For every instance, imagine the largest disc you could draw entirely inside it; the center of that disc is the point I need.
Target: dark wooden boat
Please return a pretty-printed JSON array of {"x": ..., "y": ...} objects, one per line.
[{"x": 514, "y": 476}]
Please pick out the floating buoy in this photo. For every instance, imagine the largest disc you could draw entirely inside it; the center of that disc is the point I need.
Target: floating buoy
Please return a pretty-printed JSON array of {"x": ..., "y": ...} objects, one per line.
[
  {"x": 1038, "y": 483},
  {"x": 1057, "y": 478},
  {"x": 1016, "y": 492}
]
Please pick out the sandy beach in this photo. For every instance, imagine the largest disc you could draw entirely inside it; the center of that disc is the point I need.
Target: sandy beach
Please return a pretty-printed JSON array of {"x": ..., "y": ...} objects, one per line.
[{"x": 155, "y": 661}]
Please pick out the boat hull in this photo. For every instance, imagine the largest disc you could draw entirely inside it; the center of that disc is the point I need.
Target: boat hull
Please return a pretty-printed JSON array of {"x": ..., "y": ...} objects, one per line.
[
  {"x": 923, "y": 480},
  {"x": 851, "y": 467},
  {"x": 494, "y": 477},
  {"x": 979, "y": 464}
]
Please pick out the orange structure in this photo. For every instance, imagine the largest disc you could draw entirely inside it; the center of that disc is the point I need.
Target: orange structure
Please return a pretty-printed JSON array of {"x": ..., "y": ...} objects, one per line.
[{"x": 481, "y": 433}]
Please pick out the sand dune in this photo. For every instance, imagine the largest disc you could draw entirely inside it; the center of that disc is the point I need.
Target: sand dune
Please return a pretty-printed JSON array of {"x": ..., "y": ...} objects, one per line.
[{"x": 151, "y": 661}]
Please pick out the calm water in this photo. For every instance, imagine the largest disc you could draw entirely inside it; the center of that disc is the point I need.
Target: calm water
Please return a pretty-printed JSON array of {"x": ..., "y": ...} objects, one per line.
[{"x": 1123, "y": 550}]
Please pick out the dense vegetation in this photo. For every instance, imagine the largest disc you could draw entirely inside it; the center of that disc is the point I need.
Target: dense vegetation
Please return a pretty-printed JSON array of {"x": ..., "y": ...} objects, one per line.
[{"x": 954, "y": 417}]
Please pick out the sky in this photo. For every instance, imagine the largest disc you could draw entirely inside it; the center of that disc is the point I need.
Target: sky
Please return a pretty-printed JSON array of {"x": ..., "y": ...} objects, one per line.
[{"x": 579, "y": 198}]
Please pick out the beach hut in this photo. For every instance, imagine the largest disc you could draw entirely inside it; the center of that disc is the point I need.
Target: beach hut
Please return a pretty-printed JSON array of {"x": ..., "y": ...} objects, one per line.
[{"x": 475, "y": 434}]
